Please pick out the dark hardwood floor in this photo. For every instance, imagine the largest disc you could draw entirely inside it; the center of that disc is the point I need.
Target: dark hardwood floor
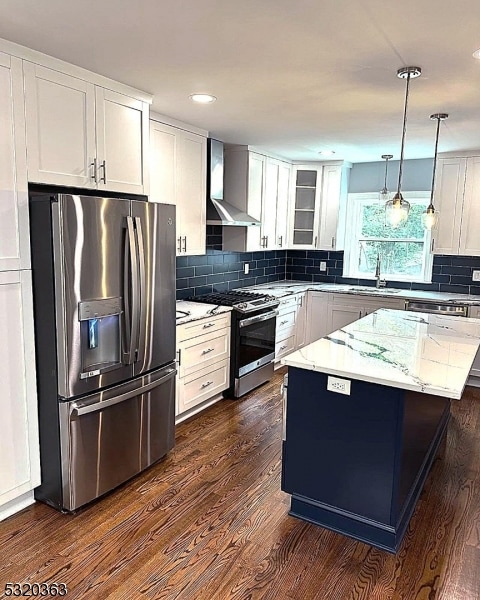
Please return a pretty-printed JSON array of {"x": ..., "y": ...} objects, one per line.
[{"x": 210, "y": 523}]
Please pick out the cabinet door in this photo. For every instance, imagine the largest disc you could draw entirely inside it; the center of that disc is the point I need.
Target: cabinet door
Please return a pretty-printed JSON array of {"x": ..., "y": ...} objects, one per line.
[
  {"x": 341, "y": 315},
  {"x": 283, "y": 199},
  {"x": 60, "y": 116},
  {"x": 300, "y": 330},
  {"x": 469, "y": 238},
  {"x": 122, "y": 142},
  {"x": 255, "y": 197},
  {"x": 306, "y": 206},
  {"x": 317, "y": 316},
  {"x": 14, "y": 236},
  {"x": 448, "y": 200},
  {"x": 191, "y": 192},
  {"x": 269, "y": 208},
  {"x": 163, "y": 163},
  {"x": 19, "y": 449},
  {"x": 474, "y": 313},
  {"x": 330, "y": 207}
]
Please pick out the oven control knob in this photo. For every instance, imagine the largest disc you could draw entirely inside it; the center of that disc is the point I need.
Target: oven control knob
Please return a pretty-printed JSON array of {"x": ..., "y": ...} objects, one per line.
[{"x": 242, "y": 305}]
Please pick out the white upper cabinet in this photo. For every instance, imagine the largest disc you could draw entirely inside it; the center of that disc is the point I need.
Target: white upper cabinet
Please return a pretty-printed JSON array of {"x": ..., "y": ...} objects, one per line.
[
  {"x": 317, "y": 219},
  {"x": 258, "y": 185},
  {"x": 14, "y": 236},
  {"x": 457, "y": 186},
  {"x": 82, "y": 135},
  {"x": 178, "y": 166}
]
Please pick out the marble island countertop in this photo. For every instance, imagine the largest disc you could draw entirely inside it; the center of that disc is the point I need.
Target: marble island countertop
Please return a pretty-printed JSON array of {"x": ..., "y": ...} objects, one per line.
[
  {"x": 288, "y": 287},
  {"x": 414, "y": 351},
  {"x": 192, "y": 311}
]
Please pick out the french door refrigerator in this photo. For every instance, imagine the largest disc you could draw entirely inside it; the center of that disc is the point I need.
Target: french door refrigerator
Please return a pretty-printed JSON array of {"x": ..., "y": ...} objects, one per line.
[{"x": 104, "y": 306}]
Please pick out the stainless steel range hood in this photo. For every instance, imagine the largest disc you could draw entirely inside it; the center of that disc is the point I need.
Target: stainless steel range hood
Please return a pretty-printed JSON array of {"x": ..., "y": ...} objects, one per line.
[{"x": 220, "y": 212}]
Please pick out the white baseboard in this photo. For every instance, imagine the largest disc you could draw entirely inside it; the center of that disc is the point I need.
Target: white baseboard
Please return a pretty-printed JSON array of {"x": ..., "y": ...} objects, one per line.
[{"x": 16, "y": 505}]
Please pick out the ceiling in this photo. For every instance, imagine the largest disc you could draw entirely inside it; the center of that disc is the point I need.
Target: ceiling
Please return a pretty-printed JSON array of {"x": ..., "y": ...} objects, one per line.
[{"x": 292, "y": 77}]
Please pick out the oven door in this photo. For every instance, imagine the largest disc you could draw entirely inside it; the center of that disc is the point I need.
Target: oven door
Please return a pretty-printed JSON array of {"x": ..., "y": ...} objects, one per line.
[{"x": 255, "y": 342}]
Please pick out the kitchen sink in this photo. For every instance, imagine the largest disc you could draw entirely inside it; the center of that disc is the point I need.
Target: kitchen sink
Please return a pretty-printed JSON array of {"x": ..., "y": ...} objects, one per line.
[{"x": 373, "y": 290}]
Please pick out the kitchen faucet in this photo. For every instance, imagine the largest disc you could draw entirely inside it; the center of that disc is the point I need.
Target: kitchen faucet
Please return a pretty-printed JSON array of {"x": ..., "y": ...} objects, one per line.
[{"x": 380, "y": 282}]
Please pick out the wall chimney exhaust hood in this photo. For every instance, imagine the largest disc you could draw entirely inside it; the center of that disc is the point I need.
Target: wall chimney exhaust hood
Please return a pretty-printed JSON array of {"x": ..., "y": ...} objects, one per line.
[{"x": 220, "y": 212}]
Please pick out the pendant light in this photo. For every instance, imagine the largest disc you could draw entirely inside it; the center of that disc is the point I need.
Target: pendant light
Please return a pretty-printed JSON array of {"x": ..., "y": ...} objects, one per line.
[
  {"x": 430, "y": 215},
  {"x": 384, "y": 193},
  {"x": 397, "y": 209}
]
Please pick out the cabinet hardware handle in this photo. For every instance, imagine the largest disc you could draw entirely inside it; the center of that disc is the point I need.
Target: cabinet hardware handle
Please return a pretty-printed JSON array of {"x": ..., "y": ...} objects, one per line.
[
  {"x": 94, "y": 172},
  {"x": 207, "y": 325},
  {"x": 283, "y": 347},
  {"x": 266, "y": 241},
  {"x": 359, "y": 314},
  {"x": 104, "y": 167},
  {"x": 280, "y": 241},
  {"x": 301, "y": 300},
  {"x": 179, "y": 249},
  {"x": 208, "y": 350},
  {"x": 179, "y": 360},
  {"x": 185, "y": 243},
  {"x": 206, "y": 384},
  {"x": 432, "y": 245},
  {"x": 283, "y": 322},
  {"x": 315, "y": 242},
  {"x": 333, "y": 242}
]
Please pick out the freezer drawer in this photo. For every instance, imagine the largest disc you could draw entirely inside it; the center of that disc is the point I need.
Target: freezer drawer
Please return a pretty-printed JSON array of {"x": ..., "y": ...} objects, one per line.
[{"x": 109, "y": 437}]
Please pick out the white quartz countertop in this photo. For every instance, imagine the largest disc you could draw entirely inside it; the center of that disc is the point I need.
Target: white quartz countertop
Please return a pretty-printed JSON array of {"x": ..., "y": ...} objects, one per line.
[
  {"x": 192, "y": 311},
  {"x": 409, "y": 350},
  {"x": 287, "y": 287}
]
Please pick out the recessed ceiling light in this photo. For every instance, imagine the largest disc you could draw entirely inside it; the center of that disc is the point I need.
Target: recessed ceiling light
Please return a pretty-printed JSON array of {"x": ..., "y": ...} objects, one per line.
[
  {"x": 203, "y": 98},
  {"x": 327, "y": 152},
  {"x": 476, "y": 54}
]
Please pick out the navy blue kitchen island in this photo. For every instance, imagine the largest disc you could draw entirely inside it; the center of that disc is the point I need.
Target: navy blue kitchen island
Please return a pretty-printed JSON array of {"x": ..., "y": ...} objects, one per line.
[{"x": 366, "y": 411}]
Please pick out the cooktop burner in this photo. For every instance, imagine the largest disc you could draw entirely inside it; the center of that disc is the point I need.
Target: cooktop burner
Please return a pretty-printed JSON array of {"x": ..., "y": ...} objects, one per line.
[{"x": 240, "y": 300}]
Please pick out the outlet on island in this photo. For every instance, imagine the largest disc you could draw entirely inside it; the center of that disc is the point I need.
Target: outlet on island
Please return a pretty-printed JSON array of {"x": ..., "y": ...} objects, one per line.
[{"x": 246, "y": 268}]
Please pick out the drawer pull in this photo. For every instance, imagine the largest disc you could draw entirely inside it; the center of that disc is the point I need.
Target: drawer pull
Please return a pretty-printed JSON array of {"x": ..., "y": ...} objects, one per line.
[
  {"x": 283, "y": 347},
  {"x": 206, "y": 384},
  {"x": 208, "y": 350},
  {"x": 207, "y": 325},
  {"x": 283, "y": 322}
]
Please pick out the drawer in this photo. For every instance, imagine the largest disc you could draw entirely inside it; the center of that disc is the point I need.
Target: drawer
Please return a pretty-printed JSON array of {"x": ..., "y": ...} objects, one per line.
[
  {"x": 202, "y": 326},
  {"x": 286, "y": 321},
  {"x": 286, "y": 304},
  {"x": 203, "y": 350},
  {"x": 284, "y": 347},
  {"x": 201, "y": 386}
]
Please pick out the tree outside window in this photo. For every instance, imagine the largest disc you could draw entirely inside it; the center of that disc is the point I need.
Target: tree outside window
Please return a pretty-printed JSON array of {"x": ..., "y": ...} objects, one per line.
[{"x": 404, "y": 251}]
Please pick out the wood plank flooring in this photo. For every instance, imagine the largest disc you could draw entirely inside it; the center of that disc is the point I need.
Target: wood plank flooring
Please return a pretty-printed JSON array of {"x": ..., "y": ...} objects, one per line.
[{"x": 210, "y": 523}]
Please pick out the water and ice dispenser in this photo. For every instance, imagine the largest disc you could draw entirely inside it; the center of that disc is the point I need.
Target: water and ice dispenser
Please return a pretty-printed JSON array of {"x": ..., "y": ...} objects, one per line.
[{"x": 100, "y": 335}]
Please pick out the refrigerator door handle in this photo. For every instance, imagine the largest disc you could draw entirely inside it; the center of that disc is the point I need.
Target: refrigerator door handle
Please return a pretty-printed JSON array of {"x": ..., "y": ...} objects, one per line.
[
  {"x": 142, "y": 313},
  {"x": 77, "y": 409},
  {"x": 130, "y": 284}
]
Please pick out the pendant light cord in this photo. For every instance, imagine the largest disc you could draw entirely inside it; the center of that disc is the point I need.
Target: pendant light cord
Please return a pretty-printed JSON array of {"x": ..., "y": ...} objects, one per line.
[
  {"x": 386, "y": 167},
  {"x": 435, "y": 161},
  {"x": 400, "y": 170}
]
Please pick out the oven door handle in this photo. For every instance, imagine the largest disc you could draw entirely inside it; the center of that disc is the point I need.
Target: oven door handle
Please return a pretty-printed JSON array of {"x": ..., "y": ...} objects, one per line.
[{"x": 258, "y": 319}]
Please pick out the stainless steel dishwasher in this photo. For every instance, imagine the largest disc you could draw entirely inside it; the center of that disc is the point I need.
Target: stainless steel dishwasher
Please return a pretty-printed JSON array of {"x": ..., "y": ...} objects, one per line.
[{"x": 438, "y": 308}]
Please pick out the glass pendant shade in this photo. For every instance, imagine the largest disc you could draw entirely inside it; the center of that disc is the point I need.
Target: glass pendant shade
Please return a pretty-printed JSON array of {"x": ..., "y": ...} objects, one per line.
[
  {"x": 396, "y": 211},
  {"x": 430, "y": 215}
]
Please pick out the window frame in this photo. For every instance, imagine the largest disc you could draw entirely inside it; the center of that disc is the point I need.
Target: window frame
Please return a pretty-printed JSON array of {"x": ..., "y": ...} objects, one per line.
[{"x": 350, "y": 259}]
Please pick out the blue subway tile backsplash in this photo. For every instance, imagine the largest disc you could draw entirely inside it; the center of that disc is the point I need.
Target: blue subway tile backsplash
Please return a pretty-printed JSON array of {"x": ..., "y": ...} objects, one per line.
[{"x": 221, "y": 271}]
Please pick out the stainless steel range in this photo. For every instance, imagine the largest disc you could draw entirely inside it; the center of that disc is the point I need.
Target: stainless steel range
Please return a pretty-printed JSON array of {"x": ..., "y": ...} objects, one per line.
[{"x": 253, "y": 337}]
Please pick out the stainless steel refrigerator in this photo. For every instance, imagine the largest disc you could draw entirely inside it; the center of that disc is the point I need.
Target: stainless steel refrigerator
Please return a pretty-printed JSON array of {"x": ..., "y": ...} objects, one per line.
[{"x": 104, "y": 306}]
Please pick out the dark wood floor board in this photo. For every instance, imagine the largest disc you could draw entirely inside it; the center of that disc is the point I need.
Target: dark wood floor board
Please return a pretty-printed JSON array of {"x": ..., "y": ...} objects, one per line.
[{"x": 211, "y": 523}]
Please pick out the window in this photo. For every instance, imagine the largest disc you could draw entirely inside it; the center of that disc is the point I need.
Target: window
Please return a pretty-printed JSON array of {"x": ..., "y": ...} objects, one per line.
[{"x": 404, "y": 251}]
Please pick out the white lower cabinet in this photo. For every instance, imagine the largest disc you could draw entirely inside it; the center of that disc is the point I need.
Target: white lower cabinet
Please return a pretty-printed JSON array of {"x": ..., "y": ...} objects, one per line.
[
  {"x": 344, "y": 309},
  {"x": 317, "y": 311},
  {"x": 19, "y": 447},
  {"x": 291, "y": 325},
  {"x": 203, "y": 362}
]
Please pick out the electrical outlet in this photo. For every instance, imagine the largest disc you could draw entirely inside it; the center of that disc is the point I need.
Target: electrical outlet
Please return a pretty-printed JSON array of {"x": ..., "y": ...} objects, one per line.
[
  {"x": 338, "y": 385},
  {"x": 246, "y": 268},
  {"x": 476, "y": 276},
  {"x": 323, "y": 266}
]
